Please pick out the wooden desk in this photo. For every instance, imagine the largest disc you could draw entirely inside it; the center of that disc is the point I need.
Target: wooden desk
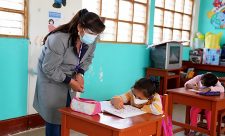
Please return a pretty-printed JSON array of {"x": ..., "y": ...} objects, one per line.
[
  {"x": 164, "y": 77},
  {"x": 108, "y": 125},
  {"x": 189, "y": 98},
  {"x": 205, "y": 67}
]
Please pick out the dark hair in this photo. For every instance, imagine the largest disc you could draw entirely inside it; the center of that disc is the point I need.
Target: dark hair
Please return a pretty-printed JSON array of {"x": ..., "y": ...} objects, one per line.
[
  {"x": 86, "y": 19},
  {"x": 50, "y": 20},
  {"x": 209, "y": 79},
  {"x": 147, "y": 86}
]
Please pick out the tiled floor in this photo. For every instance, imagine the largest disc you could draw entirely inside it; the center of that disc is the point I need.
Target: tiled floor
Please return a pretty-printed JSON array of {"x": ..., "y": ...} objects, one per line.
[{"x": 179, "y": 114}]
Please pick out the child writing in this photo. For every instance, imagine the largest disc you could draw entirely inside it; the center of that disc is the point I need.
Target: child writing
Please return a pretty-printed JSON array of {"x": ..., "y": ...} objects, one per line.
[
  {"x": 206, "y": 82},
  {"x": 142, "y": 95}
]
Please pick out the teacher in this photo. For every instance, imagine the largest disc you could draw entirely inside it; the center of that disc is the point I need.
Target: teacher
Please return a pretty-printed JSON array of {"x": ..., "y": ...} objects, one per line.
[{"x": 66, "y": 55}]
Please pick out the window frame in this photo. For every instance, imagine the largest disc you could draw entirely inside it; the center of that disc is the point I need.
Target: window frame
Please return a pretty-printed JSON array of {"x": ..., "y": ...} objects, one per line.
[
  {"x": 172, "y": 28},
  {"x": 24, "y": 13},
  {"x": 117, "y": 20}
]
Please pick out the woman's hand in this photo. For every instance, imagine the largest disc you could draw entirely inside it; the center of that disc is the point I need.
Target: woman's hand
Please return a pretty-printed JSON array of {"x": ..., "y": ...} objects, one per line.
[
  {"x": 117, "y": 102},
  {"x": 79, "y": 78},
  {"x": 75, "y": 85}
]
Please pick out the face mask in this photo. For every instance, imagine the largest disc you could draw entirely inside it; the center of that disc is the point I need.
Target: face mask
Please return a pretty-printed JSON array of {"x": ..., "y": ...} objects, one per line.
[
  {"x": 139, "y": 101},
  {"x": 88, "y": 38}
]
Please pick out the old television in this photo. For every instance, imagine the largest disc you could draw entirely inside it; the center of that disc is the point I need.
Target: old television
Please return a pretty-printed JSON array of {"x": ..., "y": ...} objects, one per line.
[{"x": 167, "y": 55}]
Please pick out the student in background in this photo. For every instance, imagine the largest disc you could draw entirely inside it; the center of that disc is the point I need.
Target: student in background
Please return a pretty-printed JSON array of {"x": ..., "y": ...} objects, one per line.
[
  {"x": 205, "y": 82},
  {"x": 67, "y": 53},
  {"x": 142, "y": 95}
]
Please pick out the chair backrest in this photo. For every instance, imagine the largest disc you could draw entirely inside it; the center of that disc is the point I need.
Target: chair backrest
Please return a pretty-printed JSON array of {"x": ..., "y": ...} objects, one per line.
[
  {"x": 165, "y": 103},
  {"x": 167, "y": 127}
]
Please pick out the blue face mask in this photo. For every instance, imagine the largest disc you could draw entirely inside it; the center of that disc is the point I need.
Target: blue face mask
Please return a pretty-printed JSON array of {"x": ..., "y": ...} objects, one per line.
[{"x": 88, "y": 38}]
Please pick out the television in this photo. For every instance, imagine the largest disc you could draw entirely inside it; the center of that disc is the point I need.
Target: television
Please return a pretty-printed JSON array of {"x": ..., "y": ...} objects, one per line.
[{"x": 166, "y": 55}]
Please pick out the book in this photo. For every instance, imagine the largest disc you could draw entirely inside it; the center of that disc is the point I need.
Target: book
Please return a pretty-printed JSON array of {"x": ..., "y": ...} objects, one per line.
[{"x": 126, "y": 112}]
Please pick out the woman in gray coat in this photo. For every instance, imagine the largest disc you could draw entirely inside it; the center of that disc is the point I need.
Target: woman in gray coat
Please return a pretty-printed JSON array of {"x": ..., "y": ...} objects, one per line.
[{"x": 66, "y": 54}]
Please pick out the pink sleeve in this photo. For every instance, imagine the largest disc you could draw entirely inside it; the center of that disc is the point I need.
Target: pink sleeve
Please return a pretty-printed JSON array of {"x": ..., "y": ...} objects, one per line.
[
  {"x": 194, "y": 80},
  {"x": 217, "y": 87}
]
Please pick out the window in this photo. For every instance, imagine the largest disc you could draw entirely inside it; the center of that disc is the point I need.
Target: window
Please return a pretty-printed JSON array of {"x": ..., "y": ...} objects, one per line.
[
  {"x": 13, "y": 18},
  {"x": 126, "y": 21},
  {"x": 172, "y": 20}
]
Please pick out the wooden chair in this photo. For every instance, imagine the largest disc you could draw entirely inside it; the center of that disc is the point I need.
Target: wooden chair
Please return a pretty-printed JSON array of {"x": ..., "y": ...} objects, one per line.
[
  {"x": 165, "y": 103},
  {"x": 221, "y": 119}
]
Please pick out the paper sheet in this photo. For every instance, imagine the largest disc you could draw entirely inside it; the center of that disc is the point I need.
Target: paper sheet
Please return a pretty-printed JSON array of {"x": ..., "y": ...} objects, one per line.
[
  {"x": 193, "y": 90},
  {"x": 128, "y": 111}
]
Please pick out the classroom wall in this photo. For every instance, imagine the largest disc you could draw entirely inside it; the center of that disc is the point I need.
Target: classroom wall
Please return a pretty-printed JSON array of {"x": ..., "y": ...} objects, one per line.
[
  {"x": 204, "y": 22},
  {"x": 114, "y": 70},
  {"x": 38, "y": 18},
  {"x": 13, "y": 77}
]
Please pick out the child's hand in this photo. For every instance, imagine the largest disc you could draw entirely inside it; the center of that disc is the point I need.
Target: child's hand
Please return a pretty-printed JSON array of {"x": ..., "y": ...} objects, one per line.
[
  {"x": 192, "y": 86},
  {"x": 205, "y": 89},
  {"x": 117, "y": 102}
]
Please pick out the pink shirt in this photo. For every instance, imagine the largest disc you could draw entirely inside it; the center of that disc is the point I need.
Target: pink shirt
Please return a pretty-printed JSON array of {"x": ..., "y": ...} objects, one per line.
[{"x": 197, "y": 80}]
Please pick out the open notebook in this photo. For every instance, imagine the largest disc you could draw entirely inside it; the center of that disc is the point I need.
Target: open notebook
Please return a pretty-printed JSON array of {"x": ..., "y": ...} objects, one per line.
[{"x": 128, "y": 111}]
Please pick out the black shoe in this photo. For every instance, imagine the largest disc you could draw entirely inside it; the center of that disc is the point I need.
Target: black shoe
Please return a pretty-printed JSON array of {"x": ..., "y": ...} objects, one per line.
[
  {"x": 57, "y": 5},
  {"x": 64, "y": 3}
]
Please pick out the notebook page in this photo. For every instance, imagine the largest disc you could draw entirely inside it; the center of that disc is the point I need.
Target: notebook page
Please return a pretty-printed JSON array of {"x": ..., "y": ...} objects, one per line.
[{"x": 126, "y": 112}]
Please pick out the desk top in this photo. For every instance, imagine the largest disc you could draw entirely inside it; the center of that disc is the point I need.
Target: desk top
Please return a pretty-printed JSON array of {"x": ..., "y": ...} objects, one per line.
[
  {"x": 113, "y": 122},
  {"x": 187, "y": 92}
]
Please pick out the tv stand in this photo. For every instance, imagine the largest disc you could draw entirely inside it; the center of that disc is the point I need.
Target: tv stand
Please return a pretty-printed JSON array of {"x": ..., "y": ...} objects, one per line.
[{"x": 164, "y": 75}]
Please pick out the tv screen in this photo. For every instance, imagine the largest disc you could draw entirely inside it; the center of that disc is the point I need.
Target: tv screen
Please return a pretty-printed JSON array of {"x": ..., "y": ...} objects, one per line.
[{"x": 174, "y": 54}]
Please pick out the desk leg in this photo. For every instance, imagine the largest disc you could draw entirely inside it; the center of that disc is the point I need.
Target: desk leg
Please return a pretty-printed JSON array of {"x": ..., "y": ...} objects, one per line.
[
  {"x": 159, "y": 128},
  {"x": 187, "y": 119},
  {"x": 214, "y": 114},
  {"x": 177, "y": 82},
  {"x": 170, "y": 108},
  {"x": 64, "y": 130},
  {"x": 165, "y": 82}
]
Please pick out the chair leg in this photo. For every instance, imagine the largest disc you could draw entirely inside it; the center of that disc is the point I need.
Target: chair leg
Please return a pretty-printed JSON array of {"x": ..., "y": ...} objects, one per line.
[
  {"x": 187, "y": 119},
  {"x": 219, "y": 124}
]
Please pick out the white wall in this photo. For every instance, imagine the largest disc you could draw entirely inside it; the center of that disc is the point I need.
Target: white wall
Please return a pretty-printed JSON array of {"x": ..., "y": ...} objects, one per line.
[{"x": 38, "y": 28}]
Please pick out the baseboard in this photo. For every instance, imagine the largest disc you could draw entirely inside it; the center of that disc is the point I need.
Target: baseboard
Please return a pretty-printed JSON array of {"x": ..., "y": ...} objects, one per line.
[{"x": 15, "y": 125}]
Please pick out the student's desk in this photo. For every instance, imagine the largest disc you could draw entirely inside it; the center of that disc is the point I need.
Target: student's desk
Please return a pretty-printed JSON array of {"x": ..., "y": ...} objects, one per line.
[
  {"x": 190, "y": 98},
  {"x": 108, "y": 125}
]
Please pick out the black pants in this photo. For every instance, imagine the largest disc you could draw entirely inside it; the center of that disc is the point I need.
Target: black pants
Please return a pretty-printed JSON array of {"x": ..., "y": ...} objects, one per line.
[{"x": 55, "y": 129}]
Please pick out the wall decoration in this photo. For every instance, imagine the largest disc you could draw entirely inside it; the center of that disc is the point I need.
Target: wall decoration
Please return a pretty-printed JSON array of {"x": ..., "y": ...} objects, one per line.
[
  {"x": 53, "y": 20},
  {"x": 217, "y": 14},
  {"x": 59, "y": 3}
]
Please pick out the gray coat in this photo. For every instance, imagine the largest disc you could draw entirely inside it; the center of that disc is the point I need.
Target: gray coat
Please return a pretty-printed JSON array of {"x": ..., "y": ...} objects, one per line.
[{"x": 56, "y": 61}]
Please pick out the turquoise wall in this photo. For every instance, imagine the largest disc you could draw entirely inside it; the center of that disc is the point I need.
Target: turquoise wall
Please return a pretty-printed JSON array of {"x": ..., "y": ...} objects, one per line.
[
  {"x": 204, "y": 24},
  {"x": 13, "y": 77},
  {"x": 120, "y": 65},
  {"x": 116, "y": 67},
  {"x": 114, "y": 70}
]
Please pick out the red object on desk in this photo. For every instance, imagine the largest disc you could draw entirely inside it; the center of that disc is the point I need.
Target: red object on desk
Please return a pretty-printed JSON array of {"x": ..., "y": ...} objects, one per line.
[
  {"x": 108, "y": 125},
  {"x": 190, "y": 98}
]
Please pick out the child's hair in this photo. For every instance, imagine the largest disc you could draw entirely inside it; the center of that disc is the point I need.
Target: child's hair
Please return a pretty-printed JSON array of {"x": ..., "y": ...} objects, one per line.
[
  {"x": 209, "y": 79},
  {"x": 147, "y": 86}
]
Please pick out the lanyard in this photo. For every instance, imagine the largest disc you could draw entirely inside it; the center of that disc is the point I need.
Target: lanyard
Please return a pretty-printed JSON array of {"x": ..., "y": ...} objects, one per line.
[{"x": 79, "y": 56}]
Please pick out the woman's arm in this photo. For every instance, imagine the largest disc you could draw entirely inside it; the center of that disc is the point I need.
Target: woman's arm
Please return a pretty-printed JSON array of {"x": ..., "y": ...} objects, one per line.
[
  {"x": 88, "y": 60},
  {"x": 53, "y": 57}
]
